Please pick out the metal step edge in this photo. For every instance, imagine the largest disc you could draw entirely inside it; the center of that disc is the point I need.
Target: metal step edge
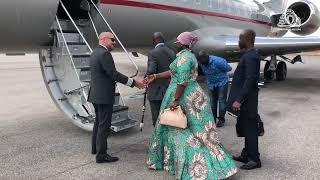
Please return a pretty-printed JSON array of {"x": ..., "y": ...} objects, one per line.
[{"x": 116, "y": 127}]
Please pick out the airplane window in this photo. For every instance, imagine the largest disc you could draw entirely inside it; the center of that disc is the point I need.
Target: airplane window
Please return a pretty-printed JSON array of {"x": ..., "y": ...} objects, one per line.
[
  {"x": 233, "y": 7},
  {"x": 216, "y": 4},
  {"x": 225, "y": 6},
  {"x": 184, "y": 1},
  {"x": 230, "y": 7},
  {"x": 209, "y": 2},
  {"x": 198, "y": 2},
  {"x": 259, "y": 16},
  {"x": 237, "y": 9},
  {"x": 242, "y": 13},
  {"x": 247, "y": 11}
]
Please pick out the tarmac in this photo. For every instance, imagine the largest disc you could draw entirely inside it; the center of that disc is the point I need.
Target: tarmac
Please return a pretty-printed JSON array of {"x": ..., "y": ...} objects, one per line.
[{"x": 38, "y": 142}]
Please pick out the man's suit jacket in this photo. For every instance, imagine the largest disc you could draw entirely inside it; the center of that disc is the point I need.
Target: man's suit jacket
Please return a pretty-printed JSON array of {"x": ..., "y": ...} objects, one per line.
[
  {"x": 159, "y": 60},
  {"x": 103, "y": 77},
  {"x": 245, "y": 84}
]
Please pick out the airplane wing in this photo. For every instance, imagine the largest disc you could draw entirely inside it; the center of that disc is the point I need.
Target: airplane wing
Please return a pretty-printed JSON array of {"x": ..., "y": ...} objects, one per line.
[
  {"x": 279, "y": 46},
  {"x": 227, "y": 46}
]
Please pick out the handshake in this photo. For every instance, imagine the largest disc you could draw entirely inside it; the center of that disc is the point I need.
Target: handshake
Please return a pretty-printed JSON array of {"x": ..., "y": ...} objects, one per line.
[{"x": 143, "y": 83}]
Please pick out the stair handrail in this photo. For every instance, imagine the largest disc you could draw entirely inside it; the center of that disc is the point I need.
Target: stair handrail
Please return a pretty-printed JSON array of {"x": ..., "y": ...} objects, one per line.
[
  {"x": 74, "y": 24},
  {"x": 73, "y": 65},
  {"x": 125, "y": 50},
  {"x": 93, "y": 25}
]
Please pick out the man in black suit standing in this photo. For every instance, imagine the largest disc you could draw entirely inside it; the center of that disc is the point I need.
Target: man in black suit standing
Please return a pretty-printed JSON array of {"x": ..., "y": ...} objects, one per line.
[
  {"x": 244, "y": 99},
  {"x": 102, "y": 93},
  {"x": 159, "y": 60}
]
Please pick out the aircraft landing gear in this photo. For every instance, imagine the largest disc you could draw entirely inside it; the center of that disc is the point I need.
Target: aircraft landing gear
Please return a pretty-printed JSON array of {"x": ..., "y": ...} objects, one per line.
[
  {"x": 281, "y": 71},
  {"x": 267, "y": 73}
]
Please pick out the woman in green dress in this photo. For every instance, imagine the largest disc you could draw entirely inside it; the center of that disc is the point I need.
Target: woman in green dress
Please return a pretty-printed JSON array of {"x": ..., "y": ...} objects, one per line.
[{"x": 194, "y": 152}]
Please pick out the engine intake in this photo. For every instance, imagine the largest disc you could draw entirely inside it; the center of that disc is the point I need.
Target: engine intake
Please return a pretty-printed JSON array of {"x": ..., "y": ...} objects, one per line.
[{"x": 309, "y": 17}]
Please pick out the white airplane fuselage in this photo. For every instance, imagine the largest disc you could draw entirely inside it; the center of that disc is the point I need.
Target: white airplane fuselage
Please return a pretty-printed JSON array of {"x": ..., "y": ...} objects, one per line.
[
  {"x": 136, "y": 22},
  {"x": 28, "y": 23}
]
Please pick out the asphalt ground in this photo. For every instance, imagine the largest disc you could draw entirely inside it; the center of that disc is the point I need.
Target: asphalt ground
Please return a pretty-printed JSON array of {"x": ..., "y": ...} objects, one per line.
[{"x": 38, "y": 142}]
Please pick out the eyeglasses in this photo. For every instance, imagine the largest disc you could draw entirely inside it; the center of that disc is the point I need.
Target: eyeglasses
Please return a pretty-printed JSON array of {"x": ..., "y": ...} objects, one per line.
[{"x": 113, "y": 39}]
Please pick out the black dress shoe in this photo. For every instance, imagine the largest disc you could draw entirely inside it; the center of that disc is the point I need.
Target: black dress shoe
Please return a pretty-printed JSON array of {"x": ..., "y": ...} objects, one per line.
[
  {"x": 240, "y": 159},
  {"x": 93, "y": 152},
  {"x": 220, "y": 123},
  {"x": 251, "y": 165},
  {"x": 108, "y": 159}
]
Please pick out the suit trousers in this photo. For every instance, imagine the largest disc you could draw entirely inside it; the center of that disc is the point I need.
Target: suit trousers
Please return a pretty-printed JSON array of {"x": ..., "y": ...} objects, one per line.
[
  {"x": 155, "y": 108},
  {"x": 101, "y": 129},
  {"x": 251, "y": 149}
]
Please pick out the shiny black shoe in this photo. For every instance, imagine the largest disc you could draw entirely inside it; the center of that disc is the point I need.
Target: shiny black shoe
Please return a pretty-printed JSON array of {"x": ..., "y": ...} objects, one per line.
[
  {"x": 240, "y": 159},
  {"x": 220, "y": 123},
  {"x": 251, "y": 165},
  {"x": 108, "y": 159}
]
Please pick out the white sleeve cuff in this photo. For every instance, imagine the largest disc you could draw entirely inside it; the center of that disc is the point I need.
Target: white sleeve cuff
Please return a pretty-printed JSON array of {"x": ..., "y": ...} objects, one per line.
[{"x": 129, "y": 82}]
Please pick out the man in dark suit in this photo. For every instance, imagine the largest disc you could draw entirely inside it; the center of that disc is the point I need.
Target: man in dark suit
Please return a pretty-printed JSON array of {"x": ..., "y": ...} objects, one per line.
[
  {"x": 102, "y": 93},
  {"x": 159, "y": 60},
  {"x": 244, "y": 99}
]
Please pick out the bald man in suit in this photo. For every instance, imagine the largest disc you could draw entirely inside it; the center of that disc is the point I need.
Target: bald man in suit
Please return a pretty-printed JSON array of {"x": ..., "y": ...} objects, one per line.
[{"x": 102, "y": 93}]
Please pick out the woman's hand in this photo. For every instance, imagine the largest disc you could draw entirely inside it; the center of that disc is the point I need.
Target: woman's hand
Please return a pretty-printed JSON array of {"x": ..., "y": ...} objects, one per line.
[{"x": 174, "y": 105}]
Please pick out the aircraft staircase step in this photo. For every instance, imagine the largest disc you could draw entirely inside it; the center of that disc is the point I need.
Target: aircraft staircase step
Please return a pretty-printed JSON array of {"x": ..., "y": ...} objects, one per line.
[
  {"x": 119, "y": 108},
  {"x": 79, "y": 50},
  {"x": 85, "y": 56},
  {"x": 85, "y": 76},
  {"x": 70, "y": 37},
  {"x": 120, "y": 113},
  {"x": 128, "y": 123},
  {"x": 81, "y": 62},
  {"x": 71, "y": 31},
  {"x": 66, "y": 26},
  {"x": 75, "y": 43},
  {"x": 84, "y": 68}
]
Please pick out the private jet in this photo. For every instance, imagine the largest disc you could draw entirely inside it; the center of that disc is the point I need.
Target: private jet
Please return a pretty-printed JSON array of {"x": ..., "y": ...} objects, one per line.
[{"x": 64, "y": 33}]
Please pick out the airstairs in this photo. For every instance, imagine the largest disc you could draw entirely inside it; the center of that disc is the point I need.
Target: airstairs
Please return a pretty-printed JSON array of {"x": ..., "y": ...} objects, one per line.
[{"x": 66, "y": 72}]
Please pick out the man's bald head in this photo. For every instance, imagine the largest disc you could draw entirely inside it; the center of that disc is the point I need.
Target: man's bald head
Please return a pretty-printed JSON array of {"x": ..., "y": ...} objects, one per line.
[
  {"x": 107, "y": 40},
  {"x": 158, "y": 38},
  {"x": 106, "y": 35},
  {"x": 246, "y": 39}
]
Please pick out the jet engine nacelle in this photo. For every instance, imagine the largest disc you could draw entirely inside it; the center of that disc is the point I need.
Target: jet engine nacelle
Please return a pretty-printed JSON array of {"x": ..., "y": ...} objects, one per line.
[
  {"x": 308, "y": 14},
  {"x": 25, "y": 24}
]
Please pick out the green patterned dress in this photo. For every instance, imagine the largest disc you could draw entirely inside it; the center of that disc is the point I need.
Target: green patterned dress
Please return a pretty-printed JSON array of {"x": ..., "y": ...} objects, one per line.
[{"x": 194, "y": 152}]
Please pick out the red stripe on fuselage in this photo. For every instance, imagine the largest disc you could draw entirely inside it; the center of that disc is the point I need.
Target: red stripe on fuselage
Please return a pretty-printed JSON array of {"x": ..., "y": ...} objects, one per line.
[{"x": 180, "y": 9}]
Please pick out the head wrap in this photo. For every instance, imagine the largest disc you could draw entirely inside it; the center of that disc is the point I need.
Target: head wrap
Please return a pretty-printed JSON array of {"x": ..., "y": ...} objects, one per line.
[{"x": 187, "y": 38}]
